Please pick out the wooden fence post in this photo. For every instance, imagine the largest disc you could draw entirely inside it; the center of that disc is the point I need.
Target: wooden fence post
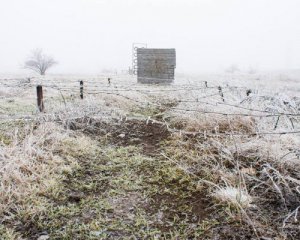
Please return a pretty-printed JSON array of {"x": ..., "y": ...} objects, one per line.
[
  {"x": 81, "y": 89},
  {"x": 40, "y": 98},
  {"x": 221, "y": 93},
  {"x": 248, "y": 92}
]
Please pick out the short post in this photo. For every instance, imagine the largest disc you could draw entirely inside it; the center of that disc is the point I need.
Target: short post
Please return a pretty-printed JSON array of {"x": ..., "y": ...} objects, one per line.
[
  {"x": 81, "y": 89},
  {"x": 205, "y": 84},
  {"x": 248, "y": 92},
  {"x": 221, "y": 93},
  {"x": 40, "y": 98},
  {"x": 108, "y": 81},
  {"x": 291, "y": 121},
  {"x": 276, "y": 124}
]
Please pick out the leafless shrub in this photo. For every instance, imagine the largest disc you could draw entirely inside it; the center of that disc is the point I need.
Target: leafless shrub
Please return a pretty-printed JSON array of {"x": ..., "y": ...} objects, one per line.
[{"x": 233, "y": 69}]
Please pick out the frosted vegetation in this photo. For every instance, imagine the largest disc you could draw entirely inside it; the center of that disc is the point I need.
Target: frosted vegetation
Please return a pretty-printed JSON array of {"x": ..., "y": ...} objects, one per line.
[{"x": 208, "y": 157}]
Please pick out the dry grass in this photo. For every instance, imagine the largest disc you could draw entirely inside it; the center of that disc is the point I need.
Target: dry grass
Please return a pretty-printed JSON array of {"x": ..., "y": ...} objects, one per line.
[
  {"x": 233, "y": 197},
  {"x": 28, "y": 163},
  {"x": 211, "y": 177},
  {"x": 215, "y": 124},
  {"x": 255, "y": 177}
]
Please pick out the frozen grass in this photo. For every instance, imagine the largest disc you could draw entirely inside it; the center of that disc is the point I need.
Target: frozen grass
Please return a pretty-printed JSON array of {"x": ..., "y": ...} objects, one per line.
[
  {"x": 211, "y": 177},
  {"x": 28, "y": 164},
  {"x": 233, "y": 197}
]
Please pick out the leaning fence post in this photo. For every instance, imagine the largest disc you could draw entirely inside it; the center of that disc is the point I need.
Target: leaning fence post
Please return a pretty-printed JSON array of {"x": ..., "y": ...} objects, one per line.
[
  {"x": 81, "y": 89},
  {"x": 40, "y": 99},
  {"x": 221, "y": 93},
  {"x": 276, "y": 124}
]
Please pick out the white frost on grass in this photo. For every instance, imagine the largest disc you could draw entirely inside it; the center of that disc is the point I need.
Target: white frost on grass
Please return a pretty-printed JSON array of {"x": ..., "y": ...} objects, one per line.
[{"x": 233, "y": 196}]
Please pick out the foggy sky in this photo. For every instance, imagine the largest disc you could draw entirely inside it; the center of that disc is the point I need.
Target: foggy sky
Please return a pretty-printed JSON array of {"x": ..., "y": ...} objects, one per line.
[{"x": 86, "y": 36}]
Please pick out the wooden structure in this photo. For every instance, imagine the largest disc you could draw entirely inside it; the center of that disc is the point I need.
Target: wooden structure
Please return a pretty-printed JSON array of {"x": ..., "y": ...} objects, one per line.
[{"x": 156, "y": 65}]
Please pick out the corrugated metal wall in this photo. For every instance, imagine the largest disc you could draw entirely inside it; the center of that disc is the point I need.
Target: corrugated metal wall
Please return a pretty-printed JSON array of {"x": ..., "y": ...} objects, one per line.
[{"x": 156, "y": 65}]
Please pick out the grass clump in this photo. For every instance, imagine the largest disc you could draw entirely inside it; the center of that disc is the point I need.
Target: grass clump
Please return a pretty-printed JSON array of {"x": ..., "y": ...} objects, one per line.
[{"x": 233, "y": 197}]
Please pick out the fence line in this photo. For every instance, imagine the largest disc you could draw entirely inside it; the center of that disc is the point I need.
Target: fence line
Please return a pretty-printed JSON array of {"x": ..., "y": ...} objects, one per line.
[
  {"x": 114, "y": 90},
  {"x": 49, "y": 118},
  {"x": 116, "y": 93}
]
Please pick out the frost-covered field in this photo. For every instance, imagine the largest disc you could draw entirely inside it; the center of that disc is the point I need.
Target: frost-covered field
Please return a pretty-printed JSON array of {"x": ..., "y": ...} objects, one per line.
[
  {"x": 261, "y": 96},
  {"x": 208, "y": 157}
]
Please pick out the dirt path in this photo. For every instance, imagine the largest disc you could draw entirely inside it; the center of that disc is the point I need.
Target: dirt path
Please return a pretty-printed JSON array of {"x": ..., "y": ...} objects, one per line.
[{"x": 123, "y": 190}]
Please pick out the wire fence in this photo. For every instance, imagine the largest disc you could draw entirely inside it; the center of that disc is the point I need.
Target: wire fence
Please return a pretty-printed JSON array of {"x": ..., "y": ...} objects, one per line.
[{"x": 185, "y": 94}]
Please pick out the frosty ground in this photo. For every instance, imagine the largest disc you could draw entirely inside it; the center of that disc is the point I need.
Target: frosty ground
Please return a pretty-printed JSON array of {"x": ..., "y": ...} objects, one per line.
[{"x": 131, "y": 161}]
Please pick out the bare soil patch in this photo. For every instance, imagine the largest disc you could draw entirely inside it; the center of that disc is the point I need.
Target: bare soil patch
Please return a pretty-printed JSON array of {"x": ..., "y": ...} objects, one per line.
[{"x": 147, "y": 135}]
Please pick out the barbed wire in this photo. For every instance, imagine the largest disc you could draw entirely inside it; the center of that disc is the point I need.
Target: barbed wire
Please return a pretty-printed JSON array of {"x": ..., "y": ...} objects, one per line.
[
  {"x": 116, "y": 93},
  {"x": 56, "y": 118},
  {"x": 116, "y": 90},
  {"x": 241, "y": 107}
]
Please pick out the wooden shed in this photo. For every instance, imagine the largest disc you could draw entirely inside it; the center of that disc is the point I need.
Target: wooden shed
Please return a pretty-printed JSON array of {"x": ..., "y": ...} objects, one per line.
[{"x": 156, "y": 65}]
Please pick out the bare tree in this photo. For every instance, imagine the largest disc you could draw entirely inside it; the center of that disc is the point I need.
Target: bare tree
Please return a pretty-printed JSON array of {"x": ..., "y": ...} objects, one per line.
[
  {"x": 233, "y": 69},
  {"x": 39, "y": 62}
]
